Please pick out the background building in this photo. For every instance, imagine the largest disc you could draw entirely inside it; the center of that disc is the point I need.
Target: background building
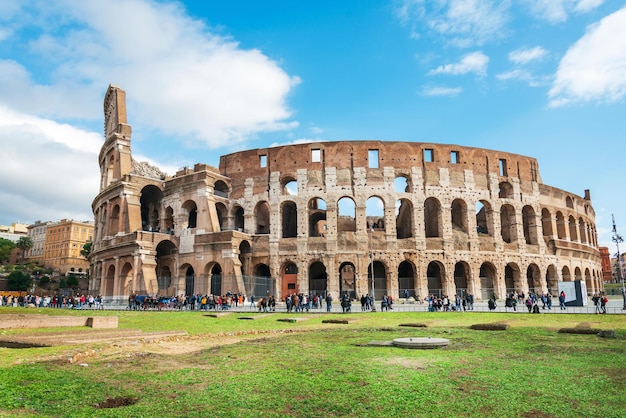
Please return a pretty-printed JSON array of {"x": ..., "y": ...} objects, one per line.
[
  {"x": 64, "y": 241},
  {"x": 37, "y": 233},
  {"x": 335, "y": 217}
]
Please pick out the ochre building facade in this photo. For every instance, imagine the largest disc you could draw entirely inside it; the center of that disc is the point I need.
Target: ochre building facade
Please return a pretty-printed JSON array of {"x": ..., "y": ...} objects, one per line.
[{"x": 336, "y": 217}]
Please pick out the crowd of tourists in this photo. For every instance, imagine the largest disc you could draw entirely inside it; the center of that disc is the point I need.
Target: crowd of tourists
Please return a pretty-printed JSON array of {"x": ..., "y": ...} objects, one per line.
[
  {"x": 81, "y": 301},
  {"x": 447, "y": 304}
]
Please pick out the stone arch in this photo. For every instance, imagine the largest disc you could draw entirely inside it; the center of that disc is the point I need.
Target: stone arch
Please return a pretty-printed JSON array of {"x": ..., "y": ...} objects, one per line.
[
  {"x": 289, "y": 278},
  {"x": 512, "y": 278},
  {"x": 238, "y": 217},
  {"x": 505, "y": 190},
  {"x": 190, "y": 211},
  {"x": 552, "y": 279},
  {"x": 220, "y": 189},
  {"x": 165, "y": 261},
  {"x": 578, "y": 275},
  {"x": 317, "y": 217},
  {"x": 222, "y": 215},
  {"x": 546, "y": 223},
  {"x": 114, "y": 220},
  {"x": 401, "y": 184},
  {"x": 168, "y": 221},
  {"x": 484, "y": 218},
  {"x": 260, "y": 285},
  {"x": 109, "y": 281},
  {"x": 375, "y": 213},
  {"x": 533, "y": 278},
  {"x": 404, "y": 219},
  {"x": 458, "y": 211},
  {"x": 262, "y": 217},
  {"x": 588, "y": 280},
  {"x": 406, "y": 279},
  {"x": 150, "y": 201},
  {"x": 347, "y": 279},
  {"x": 566, "y": 274},
  {"x": 245, "y": 258},
  {"x": 380, "y": 279},
  {"x": 216, "y": 280},
  {"x": 508, "y": 223},
  {"x": 488, "y": 283},
  {"x": 529, "y": 222},
  {"x": 461, "y": 278},
  {"x": 435, "y": 274},
  {"x": 346, "y": 221},
  {"x": 318, "y": 278},
  {"x": 126, "y": 278},
  {"x": 569, "y": 202},
  {"x": 289, "y": 212},
  {"x": 573, "y": 234},
  {"x": 560, "y": 226},
  {"x": 289, "y": 186},
  {"x": 187, "y": 271},
  {"x": 582, "y": 230},
  {"x": 432, "y": 217}
]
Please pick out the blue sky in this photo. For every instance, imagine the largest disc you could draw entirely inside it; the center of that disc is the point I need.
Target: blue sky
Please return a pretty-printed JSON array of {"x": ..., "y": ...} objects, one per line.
[{"x": 543, "y": 78}]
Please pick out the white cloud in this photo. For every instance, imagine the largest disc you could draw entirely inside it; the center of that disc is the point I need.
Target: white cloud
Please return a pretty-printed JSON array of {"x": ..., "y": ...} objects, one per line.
[
  {"x": 556, "y": 11},
  {"x": 464, "y": 22},
  {"x": 526, "y": 55},
  {"x": 61, "y": 173},
  {"x": 522, "y": 75},
  {"x": 474, "y": 62},
  {"x": 594, "y": 68},
  {"x": 441, "y": 91},
  {"x": 181, "y": 78}
]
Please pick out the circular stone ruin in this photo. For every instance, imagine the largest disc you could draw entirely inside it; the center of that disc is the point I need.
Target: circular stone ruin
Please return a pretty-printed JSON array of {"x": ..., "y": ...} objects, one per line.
[{"x": 420, "y": 342}]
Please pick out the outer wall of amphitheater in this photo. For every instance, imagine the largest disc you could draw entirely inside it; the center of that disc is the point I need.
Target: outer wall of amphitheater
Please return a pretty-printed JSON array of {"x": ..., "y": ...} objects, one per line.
[
  {"x": 427, "y": 218},
  {"x": 335, "y": 217}
]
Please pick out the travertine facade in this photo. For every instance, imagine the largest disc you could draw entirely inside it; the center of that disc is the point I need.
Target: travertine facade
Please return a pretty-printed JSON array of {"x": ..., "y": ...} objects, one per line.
[{"x": 428, "y": 218}]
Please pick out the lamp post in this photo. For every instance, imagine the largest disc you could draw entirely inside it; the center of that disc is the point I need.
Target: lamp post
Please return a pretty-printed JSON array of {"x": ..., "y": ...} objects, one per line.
[
  {"x": 617, "y": 239},
  {"x": 371, "y": 234}
]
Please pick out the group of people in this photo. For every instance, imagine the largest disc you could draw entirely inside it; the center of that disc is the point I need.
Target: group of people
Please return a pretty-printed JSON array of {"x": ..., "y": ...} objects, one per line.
[
  {"x": 446, "y": 304},
  {"x": 81, "y": 301}
]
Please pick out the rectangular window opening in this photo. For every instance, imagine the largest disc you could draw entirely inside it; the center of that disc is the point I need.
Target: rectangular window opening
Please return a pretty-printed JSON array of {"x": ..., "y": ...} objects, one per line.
[
  {"x": 372, "y": 158},
  {"x": 316, "y": 155},
  {"x": 454, "y": 157},
  {"x": 503, "y": 171},
  {"x": 429, "y": 155},
  {"x": 263, "y": 161}
]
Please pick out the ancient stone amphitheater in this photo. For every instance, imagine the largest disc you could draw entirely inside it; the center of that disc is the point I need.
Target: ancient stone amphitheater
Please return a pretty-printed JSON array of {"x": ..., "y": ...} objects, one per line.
[{"x": 336, "y": 217}]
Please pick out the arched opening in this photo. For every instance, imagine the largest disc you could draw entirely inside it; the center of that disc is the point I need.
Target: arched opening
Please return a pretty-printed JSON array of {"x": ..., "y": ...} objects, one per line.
[
  {"x": 512, "y": 278},
  {"x": 552, "y": 279},
  {"x": 529, "y": 222},
  {"x": 459, "y": 215},
  {"x": 190, "y": 278},
  {"x": 435, "y": 275},
  {"x": 190, "y": 209},
  {"x": 533, "y": 279},
  {"x": 126, "y": 277},
  {"x": 505, "y": 190},
  {"x": 318, "y": 279},
  {"x": 222, "y": 215},
  {"x": 317, "y": 217},
  {"x": 150, "y": 201},
  {"x": 380, "y": 279},
  {"x": 560, "y": 226},
  {"x": 406, "y": 280},
  {"x": 546, "y": 223},
  {"x": 588, "y": 281},
  {"x": 375, "y": 213},
  {"x": 114, "y": 221},
  {"x": 569, "y": 202},
  {"x": 239, "y": 218},
  {"x": 404, "y": 219},
  {"x": 401, "y": 185},
  {"x": 573, "y": 235},
  {"x": 582, "y": 229},
  {"x": 169, "y": 220},
  {"x": 220, "y": 189},
  {"x": 578, "y": 275},
  {"x": 346, "y": 221},
  {"x": 262, "y": 216},
  {"x": 483, "y": 218},
  {"x": 165, "y": 257},
  {"x": 487, "y": 277},
  {"x": 109, "y": 281},
  {"x": 216, "y": 280},
  {"x": 290, "y": 186},
  {"x": 289, "y": 214},
  {"x": 461, "y": 273},
  {"x": 432, "y": 217},
  {"x": 347, "y": 280},
  {"x": 290, "y": 279},
  {"x": 566, "y": 274},
  {"x": 245, "y": 257},
  {"x": 508, "y": 224},
  {"x": 261, "y": 285}
]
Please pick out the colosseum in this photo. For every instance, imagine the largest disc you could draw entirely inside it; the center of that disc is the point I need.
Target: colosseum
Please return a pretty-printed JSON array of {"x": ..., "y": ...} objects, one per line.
[{"x": 336, "y": 217}]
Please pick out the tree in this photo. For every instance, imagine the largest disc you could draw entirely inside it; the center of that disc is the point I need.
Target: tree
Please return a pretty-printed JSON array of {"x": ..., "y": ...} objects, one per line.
[
  {"x": 24, "y": 244},
  {"x": 19, "y": 280},
  {"x": 6, "y": 246},
  {"x": 72, "y": 281},
  {"x": 86, "y": 249}
]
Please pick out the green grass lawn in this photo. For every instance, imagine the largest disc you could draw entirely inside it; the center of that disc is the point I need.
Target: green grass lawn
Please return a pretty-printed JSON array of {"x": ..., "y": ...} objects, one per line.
[{"x": 320, "y": 369}]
